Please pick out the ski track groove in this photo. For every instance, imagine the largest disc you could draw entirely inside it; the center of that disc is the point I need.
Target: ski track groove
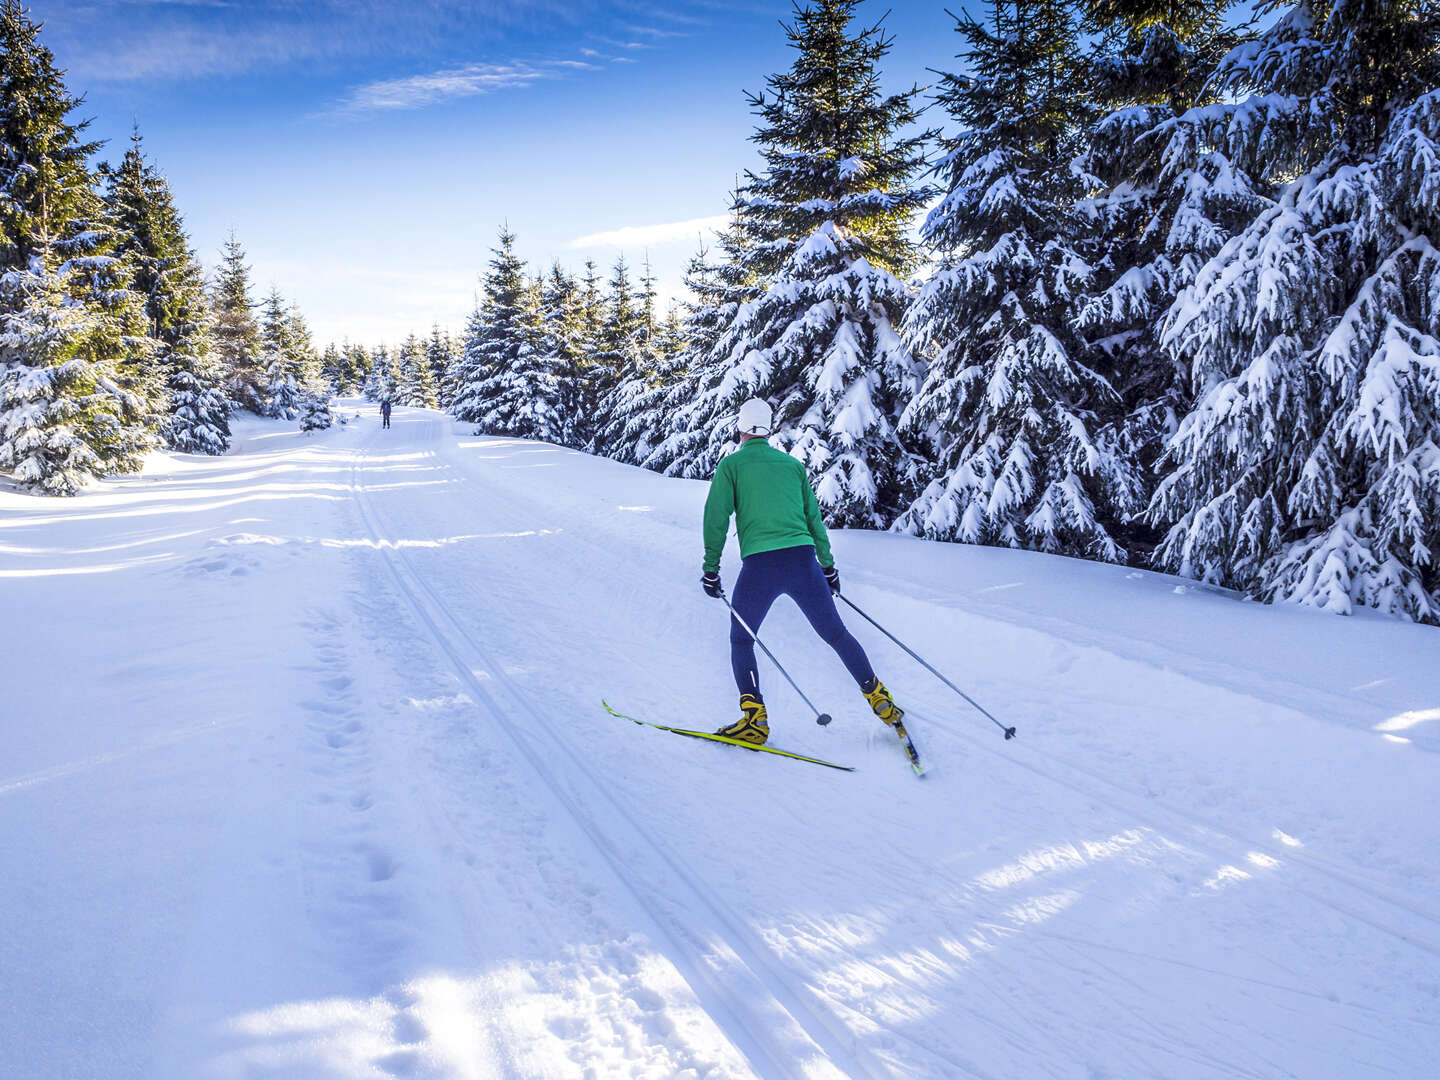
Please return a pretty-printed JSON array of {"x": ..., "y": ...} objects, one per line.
[
  {"x": 757, "y": 948},
  {"x": 760, "y": 1047}
]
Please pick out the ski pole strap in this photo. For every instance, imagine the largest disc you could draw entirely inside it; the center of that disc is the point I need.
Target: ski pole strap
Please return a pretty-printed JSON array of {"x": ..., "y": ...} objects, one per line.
[
  {"x": 1009, "y": 731},
  {"x": 823, "y": 718}
]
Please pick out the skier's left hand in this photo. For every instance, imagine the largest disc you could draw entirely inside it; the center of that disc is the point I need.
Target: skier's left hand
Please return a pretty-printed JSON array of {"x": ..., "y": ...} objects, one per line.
[
  {"x": 710, "y": 582},
  {"x": 832, "y": 578}
]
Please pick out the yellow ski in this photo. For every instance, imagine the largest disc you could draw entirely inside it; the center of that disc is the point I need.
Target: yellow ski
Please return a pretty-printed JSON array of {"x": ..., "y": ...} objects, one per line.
[{"x": 726, "y": 739}]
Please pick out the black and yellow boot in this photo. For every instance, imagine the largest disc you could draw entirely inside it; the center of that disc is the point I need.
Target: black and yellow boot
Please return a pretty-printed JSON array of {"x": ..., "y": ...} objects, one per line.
[
  {"x": 882, "y": 703},
  {"x": 752, "y": 727}
]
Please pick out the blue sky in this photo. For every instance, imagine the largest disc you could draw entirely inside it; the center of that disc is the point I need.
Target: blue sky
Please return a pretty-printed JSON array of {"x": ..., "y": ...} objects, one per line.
[{"x": 366, "y": 151}]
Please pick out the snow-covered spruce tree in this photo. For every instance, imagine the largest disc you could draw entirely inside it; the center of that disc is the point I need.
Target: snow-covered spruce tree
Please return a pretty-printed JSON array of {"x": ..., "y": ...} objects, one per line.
[
  {"x": 385, "y": 368},
  {"x": 417, "y": 381},
  {"x": 627, "y": 429},
  {"x": 610, "y": 361},
  {"x": 304, "y": 360},
  {"x": 590, "y": 343},
  {"x": 332, "y": 370},
  {"x": 79, "y": 392},
  {"x": 358, "y": 371},
  {"x": 163, "y": 269},
  {"x": 520, "y": 391},
  {"x": 440, "y": 355},
  {"x": 688, "y": 444},
  {"x": 1007, "y": 412},
  {"x": 282, "y": 388},
  {"x": 236, "y": 334},
  {"x": 315, "y": 411},
  {"x": 1169, "y": 199},
  {"x": 827, "y": 221},
  {"x": 563, "y": 347},
  {"x": 1308, "y": 470}
]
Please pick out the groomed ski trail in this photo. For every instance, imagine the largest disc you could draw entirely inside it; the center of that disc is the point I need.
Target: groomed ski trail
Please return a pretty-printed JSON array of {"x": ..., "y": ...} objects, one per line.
[{"x": 742, "y": 993}]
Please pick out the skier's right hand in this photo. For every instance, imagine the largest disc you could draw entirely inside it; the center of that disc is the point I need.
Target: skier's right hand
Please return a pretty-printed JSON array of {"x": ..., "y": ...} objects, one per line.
[{"x": 710, "y": 582}]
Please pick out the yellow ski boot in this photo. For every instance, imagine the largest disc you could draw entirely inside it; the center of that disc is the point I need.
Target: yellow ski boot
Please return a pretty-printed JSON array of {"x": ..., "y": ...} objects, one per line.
[
  {"x": 882, "y": 703},
  {"x": 752, "y": 727}
]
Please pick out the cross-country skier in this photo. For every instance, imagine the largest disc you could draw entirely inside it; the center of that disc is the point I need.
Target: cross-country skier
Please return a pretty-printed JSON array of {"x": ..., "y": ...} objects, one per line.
[
  {"x": 385, "y": 413},
  {"x": 783, "y": 549}
]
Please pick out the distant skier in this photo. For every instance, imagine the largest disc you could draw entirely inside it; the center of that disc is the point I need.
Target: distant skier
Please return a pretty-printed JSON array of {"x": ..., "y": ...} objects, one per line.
[
  {"x": 783, "y": 549},
  {"x": 385, "y": 413}
]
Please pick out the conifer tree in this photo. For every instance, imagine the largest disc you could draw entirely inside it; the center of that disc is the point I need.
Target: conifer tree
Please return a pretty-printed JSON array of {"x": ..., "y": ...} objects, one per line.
[
  {"x": 686, "y": 444},
  {"x": 282, "y": 388},
  {"x": 1308, "y": 469},
  {"x": 357, "y": 369},
  {"x": 315, "y": 411},
  {"x": 617, "y": 361},
  {"x": 237, "y": 336},
  {"x": 1169, "y": 199},
  {"x": 385, "y": 366},
  {"x": 417, "y": 381},
  {"x": 155, "y": 251},
  {"x": 827, "y": 223},
  {"x": 304, "y": 361},
  {"x": 519, "y": 393},
  {"x": 564, "y": 349},
  {"x": 79, "y": 393},
  {"x": 332, "y": 369},
  {"x": 1007, "y": 414},
  {"x": 589, "y": 345},
  {"x": 440, "y": 355}
]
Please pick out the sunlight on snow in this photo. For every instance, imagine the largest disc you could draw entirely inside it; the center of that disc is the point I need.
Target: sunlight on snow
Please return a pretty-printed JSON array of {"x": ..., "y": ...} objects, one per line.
[
  {"x": 1286, "y": 839},
  {"x": 1226, "y": 875},
  {"x": 1059, "y": 857},
  {"x": 602, "y": 1011},
  {"x": 1406, "y": 720}
]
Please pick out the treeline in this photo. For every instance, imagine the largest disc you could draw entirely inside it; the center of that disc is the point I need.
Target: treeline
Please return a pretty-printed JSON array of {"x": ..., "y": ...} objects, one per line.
[
  {"x": 110, "y": 342},
  {"x": 1176, "y": 302}
]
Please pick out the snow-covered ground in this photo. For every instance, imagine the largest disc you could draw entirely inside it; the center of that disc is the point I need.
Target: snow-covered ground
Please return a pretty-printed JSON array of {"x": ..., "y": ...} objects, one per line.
[{"x": 303, "y": 773}]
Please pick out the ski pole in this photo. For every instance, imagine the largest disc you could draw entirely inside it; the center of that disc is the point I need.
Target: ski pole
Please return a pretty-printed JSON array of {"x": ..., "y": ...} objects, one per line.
[
  {"x": 1009, "y": 731},
  {"x": 820, "y": 718}
]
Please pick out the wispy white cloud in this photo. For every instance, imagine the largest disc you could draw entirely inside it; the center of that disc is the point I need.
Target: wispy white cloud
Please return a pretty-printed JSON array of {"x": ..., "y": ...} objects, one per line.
[
  {"x": 652, "y": 235},
  {"x": 417, "y": 91},
  {"x": 656, "y": 32},
  {"x": 623, "y": 60}
]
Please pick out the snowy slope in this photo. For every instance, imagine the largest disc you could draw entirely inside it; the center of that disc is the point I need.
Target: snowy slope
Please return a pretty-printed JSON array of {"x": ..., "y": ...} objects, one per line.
[{"x": 303, "y": 774}]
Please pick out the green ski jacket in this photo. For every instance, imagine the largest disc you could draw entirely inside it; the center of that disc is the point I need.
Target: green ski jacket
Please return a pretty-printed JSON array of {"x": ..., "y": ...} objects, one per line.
[{"x": 772, "y": 500}]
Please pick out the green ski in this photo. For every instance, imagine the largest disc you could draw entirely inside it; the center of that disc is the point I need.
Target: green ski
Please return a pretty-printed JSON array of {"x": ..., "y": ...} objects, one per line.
[{"x": 724, "y": 739}]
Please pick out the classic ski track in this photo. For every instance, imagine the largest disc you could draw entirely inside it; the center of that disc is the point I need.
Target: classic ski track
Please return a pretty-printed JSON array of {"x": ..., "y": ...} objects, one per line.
[
  {"x": 720, "y": 1003},
  {"x": 1209, "y": 846}
]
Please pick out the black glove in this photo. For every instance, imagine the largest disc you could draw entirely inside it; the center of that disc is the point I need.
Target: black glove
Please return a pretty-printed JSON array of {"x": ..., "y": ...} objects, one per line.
[
  {"x": 832, "y": 578},
  {"x": 710, "y": 582}
]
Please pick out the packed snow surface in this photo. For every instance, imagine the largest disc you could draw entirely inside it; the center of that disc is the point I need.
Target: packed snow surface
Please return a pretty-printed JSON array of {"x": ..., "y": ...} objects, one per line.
[{"x": 303, "y": 773}]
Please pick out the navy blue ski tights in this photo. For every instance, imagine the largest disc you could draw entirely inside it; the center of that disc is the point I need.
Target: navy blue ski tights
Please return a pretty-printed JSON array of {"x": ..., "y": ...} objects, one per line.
[{"x": 794, "y": 571}]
